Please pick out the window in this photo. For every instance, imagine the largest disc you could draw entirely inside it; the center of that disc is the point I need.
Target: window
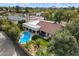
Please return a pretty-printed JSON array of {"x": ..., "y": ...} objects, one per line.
[
  {"x": 30, "y": 30},
  {"x": 38, "y": 32},
  {"x": 48, "y": 34},
  {"x": 26, "y": 28},
  {"x": 43, "y": 33},
  {"x": 33, "y": 31}
]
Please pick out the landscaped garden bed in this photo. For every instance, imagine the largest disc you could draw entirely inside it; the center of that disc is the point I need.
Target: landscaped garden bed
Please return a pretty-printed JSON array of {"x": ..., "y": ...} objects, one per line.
[{"x": 34, "y": 45}]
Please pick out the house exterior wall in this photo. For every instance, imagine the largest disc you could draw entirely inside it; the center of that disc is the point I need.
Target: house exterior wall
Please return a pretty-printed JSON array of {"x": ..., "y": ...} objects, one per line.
[{"x": 47, "y": 35}]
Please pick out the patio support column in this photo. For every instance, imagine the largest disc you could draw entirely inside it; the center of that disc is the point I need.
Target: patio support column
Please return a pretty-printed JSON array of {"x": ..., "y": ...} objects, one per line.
[
  {"x": 32, "y": 31},
  {"x": 36, "y": 32},
  {"x": 24, "y": 28},
  {"x": 46, "y": 34}
]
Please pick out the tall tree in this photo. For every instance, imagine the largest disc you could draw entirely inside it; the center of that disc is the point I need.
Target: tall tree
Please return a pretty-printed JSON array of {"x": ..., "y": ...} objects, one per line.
[
  {"x": 58, "y": 17},
  {"x": 17, "y": 9},
  {"x": 63, "y": 44},
  {"x": 73, "y": 27}
]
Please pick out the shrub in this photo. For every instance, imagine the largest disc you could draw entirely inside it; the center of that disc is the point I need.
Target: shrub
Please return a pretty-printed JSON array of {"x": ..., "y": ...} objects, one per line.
[{"x": 42, "y": 52}]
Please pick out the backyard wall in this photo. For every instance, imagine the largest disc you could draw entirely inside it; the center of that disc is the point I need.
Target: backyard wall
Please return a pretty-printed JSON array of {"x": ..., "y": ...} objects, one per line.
[{"x": 25, "y": 50}]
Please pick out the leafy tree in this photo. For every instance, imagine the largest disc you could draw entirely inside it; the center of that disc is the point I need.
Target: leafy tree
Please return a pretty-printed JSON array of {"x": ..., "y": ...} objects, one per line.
[
  {"x": 27, "y": 10},
  {"x": 63, "y": 44},
  {"x": 47, "y": 15},
  {"x": 15, "y": 28},
  {"x": 17, "y": 9},
  {"x": 14, "y": 32},
  {"x": 20, "y": 24},
  {"x": 67, "y": 17},
  {"x": 5, "y": 25},
  {"x": 10, "y": 28},
  {"x": 73, "y": 27},
  {"x": 58, "y": 16}
]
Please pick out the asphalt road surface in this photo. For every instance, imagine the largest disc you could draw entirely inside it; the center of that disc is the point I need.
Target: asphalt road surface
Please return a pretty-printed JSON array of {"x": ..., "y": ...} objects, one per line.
[
  {"x": 8, "y": 47},
  {"x": 19, "y": 51}
]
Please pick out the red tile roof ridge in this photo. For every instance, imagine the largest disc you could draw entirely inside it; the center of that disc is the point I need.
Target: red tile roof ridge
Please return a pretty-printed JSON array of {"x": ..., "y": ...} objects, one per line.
[{"x": 49, "y": 27}]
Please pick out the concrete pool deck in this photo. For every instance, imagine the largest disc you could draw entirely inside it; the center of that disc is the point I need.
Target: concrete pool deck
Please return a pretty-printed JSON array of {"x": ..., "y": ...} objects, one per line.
[{"x": 8, "y": 48}]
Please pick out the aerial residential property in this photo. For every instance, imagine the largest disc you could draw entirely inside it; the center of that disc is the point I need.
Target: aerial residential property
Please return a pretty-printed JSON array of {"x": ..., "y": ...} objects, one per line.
[
  {"x": 39, "y": 29},
  {"x": 43, "y": 28}
]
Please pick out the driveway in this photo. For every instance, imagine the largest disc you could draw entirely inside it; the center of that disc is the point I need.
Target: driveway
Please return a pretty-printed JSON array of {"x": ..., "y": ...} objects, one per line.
[{"x": 9, "y": 48}]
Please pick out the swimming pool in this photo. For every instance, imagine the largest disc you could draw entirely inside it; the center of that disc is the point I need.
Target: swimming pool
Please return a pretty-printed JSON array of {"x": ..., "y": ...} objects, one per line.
[{"x": 25, "y": 37}]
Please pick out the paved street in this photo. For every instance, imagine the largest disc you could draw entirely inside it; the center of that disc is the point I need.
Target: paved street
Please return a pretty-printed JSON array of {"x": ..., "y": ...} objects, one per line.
[
  {"x": 9, "y": 48},
  {"x": 19, "y": 51}
]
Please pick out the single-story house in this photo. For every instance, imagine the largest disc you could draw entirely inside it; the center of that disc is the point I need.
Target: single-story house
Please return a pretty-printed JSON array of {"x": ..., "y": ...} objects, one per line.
[
  {"x": 43, "y": 28},
  {"x": 3, "y": 12},
  {"x": 35, "y": 16},
  {"x": 16, "y": 18}
]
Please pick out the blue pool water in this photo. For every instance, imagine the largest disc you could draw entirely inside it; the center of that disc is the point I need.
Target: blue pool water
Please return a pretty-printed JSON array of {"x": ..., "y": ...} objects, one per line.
[{"x": 24, "y": 38}]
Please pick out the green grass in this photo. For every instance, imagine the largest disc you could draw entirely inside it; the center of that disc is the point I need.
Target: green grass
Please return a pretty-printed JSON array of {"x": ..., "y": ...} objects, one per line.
[
  {"x": 36, "y": 40},
  {"x": 39, "y": 41},
  {"x": 42, "y": 52}
]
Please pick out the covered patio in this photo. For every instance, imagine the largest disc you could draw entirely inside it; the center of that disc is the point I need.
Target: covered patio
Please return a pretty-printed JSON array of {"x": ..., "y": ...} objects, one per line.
[{"x": 31, "y": 28}]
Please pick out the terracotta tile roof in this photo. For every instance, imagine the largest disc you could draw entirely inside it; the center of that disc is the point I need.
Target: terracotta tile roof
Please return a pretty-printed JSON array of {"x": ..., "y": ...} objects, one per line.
[
  {"x": 49, "y": 27},
  {"x": 2, "y": 12}
]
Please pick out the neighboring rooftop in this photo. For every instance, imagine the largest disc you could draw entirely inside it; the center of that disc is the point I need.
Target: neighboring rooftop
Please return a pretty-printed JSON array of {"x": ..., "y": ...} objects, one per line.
[
  {"x": 3, "y": 12},
  {"x": 36, "y": 16},
  {"x": 17, "y": 17}
]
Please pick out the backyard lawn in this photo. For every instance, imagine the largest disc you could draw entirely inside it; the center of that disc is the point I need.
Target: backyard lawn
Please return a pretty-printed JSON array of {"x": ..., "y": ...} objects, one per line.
[{"x": 35, "y": 44}]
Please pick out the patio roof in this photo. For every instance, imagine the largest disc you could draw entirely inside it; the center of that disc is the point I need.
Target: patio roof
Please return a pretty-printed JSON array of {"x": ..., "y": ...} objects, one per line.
[{"x": 31, "y": 26}]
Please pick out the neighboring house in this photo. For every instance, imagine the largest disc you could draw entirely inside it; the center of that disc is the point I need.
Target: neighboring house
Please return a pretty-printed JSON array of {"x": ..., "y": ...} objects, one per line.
[
  {"x": 43, "y": 28},
  {"x": 3, "y": 12},
  {"x": 35, "y": 16},
  {"x": 12, "y": 11},
  {"x": 17, "y": 17}
]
